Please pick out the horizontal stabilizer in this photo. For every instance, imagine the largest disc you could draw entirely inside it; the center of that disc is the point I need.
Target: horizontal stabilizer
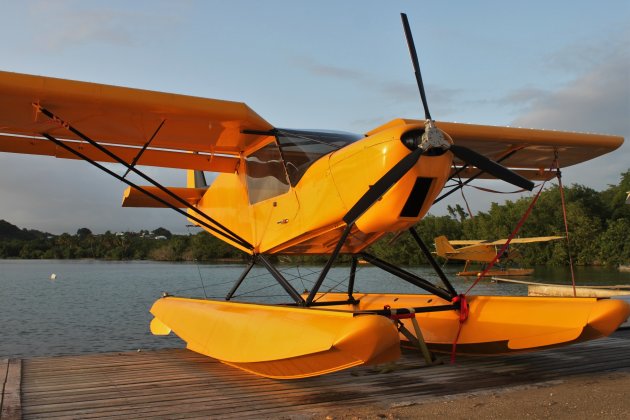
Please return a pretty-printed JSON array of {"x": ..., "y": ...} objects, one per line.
[
  {"x": 466, "y": 242},
  {"x": 134, "y": 198}
]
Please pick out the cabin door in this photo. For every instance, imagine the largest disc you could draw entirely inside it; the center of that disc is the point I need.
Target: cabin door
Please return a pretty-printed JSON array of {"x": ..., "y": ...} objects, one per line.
[{"x": 273, "y": 202}]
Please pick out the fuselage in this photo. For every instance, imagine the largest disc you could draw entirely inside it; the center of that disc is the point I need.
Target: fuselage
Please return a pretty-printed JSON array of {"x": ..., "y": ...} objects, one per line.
[{"x": 298, "y": 185}]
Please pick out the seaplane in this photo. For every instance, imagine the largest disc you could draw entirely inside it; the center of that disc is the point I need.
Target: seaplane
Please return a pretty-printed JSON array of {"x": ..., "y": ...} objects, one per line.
[
  {"x": 282, "y": 191},
  {"x": 485, "y": 252}
]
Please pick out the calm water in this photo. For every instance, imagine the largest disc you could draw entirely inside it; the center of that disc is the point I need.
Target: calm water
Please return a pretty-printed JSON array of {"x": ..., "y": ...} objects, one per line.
[{"x": 96, "y": 306}]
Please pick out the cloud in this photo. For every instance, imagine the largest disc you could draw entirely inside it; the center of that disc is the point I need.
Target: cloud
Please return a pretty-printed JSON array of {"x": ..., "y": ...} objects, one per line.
[
  {"x": 582, "y": 56},
  {"x": 404, "y": 94},
  {"x": 328, "y": 70},
  {"x": 598, "y": 96},
  {"x": 74, "y": 25},
  {"x": 523, "y": 97},
  {"x": 78, "y": 23},
  {"x": 597, "y": 101}
]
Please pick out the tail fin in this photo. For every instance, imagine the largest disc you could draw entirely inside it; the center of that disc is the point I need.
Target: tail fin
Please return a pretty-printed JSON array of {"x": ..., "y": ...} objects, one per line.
[
  {"x": 443, "y": 246},
  {"x": 200, "y": 180},
  {"x": 196, "y": 179}
]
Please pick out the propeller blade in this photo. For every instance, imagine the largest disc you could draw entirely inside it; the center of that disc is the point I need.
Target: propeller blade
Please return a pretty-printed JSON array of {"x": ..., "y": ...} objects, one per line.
[
  {"x": 381, "y": 186},
  {"x": 416, "y": 65},
  {"x": 491, "y": 167}
]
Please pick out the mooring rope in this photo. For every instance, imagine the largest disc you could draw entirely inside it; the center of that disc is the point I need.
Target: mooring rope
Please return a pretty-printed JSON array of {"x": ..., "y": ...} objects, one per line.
[
  {"x": 566, "y": 223},
  {"x": 462, "y": 297}
]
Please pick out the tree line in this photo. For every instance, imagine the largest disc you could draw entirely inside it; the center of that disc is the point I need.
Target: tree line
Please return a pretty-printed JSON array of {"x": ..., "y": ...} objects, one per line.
[
  {"x": 158, "y": 245},
  {"x": 599, "y": 225}
]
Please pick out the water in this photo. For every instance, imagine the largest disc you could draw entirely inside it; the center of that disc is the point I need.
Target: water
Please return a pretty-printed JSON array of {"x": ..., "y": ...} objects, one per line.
[{"x": 97, "y": 306}]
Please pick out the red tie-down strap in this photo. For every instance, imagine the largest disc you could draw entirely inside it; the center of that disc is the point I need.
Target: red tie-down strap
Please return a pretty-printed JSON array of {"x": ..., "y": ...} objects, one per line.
[
  {"x": 463, "y": 308},
  {"x": 463, "y": 316}
]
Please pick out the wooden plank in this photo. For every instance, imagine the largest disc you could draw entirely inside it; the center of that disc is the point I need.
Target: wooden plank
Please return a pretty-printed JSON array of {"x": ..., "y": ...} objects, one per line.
[
  {"x": 178, "y": 397},
  {"x": 11, "y": 398},
  {"x": 196, "y": 398},
  {"x": 182, "y": 384},
  {"x": 4, "y": 367}
]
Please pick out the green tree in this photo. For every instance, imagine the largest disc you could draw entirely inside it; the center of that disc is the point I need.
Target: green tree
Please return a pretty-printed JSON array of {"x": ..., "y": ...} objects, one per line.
[
  {"x": 162, "y": 232},
  {"x": 614, "y": 246},
  {"x": 84, "y": 232}
]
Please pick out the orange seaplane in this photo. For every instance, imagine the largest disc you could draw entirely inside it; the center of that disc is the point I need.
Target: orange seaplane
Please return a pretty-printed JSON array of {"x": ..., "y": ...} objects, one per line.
[
  {"x": 284, "y": 191},
  {"x": 485, "y": 252}
]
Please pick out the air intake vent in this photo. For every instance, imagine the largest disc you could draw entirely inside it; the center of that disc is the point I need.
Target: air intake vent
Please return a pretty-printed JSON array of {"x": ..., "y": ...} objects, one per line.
[{"x": 416, "y": 198}]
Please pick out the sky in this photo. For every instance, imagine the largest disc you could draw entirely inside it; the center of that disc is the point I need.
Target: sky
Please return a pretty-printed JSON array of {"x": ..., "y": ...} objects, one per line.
[{"x": 327, "y": 64}]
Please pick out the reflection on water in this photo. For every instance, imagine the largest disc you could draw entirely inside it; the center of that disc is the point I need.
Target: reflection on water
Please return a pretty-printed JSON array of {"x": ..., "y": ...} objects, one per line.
[{"x": 96, "y": 306}]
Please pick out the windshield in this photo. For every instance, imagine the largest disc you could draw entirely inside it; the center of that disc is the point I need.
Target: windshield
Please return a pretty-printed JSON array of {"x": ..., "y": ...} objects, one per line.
[{"x": 300, "y": 148}]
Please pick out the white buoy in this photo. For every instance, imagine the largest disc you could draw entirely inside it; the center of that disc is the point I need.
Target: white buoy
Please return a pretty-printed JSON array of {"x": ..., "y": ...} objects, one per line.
[{"x": 53, "y": 276}]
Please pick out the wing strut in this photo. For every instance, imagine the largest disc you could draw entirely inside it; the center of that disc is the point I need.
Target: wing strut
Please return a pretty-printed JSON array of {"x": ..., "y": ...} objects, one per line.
[
  {"x": 219, "y": 229},
  {"x": 135, "y": 160}
]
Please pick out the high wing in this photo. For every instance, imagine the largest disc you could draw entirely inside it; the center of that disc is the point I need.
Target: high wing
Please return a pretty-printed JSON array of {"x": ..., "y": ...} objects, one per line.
[
  {"x": 528, "y": 152},
  {"x": 171, "y": 126},
  {"x": 526, "y": 240},
  {"x": 125, "y": 120}
]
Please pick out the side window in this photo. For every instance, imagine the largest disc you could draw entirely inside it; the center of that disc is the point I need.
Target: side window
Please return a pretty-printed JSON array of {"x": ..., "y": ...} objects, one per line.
[{"x": 266, "y": 176}]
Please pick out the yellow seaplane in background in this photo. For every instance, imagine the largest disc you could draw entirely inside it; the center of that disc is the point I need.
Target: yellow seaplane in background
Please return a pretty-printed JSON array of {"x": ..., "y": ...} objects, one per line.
[
  {"x": 485, "y": 252},
  {"x": 284, "y": 191}
]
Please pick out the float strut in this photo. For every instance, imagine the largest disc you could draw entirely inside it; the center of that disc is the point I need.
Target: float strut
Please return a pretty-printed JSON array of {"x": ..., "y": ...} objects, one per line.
[
  {"x": 329, "y": 263},
  {"x": 280, "y": 279},
  {"x": 240, "y": 279},
  {"x": 434, "y": 264},
  {"x": 353, "y": 270},
  {"x": 407, "y": 276}
]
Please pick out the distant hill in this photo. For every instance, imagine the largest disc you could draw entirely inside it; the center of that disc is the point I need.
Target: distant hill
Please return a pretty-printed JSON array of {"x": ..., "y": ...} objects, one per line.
[{"x": 10, "y": 231}]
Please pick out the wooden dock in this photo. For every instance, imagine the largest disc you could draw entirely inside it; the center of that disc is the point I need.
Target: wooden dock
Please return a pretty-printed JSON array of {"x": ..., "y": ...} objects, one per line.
[{"x": 182, "y": 384}]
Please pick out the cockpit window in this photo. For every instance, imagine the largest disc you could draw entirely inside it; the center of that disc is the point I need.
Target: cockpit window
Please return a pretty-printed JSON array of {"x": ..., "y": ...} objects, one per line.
[
  {"x": 300, "y": 148},
  {"x": 266, "y": 176}
]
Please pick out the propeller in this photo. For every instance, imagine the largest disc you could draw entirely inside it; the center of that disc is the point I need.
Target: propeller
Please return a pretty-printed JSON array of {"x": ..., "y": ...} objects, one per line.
[
  {"x": 432, "y": 139},
  {"x": 463, "y": 153},
  {"x": 493, "y": 168}
]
